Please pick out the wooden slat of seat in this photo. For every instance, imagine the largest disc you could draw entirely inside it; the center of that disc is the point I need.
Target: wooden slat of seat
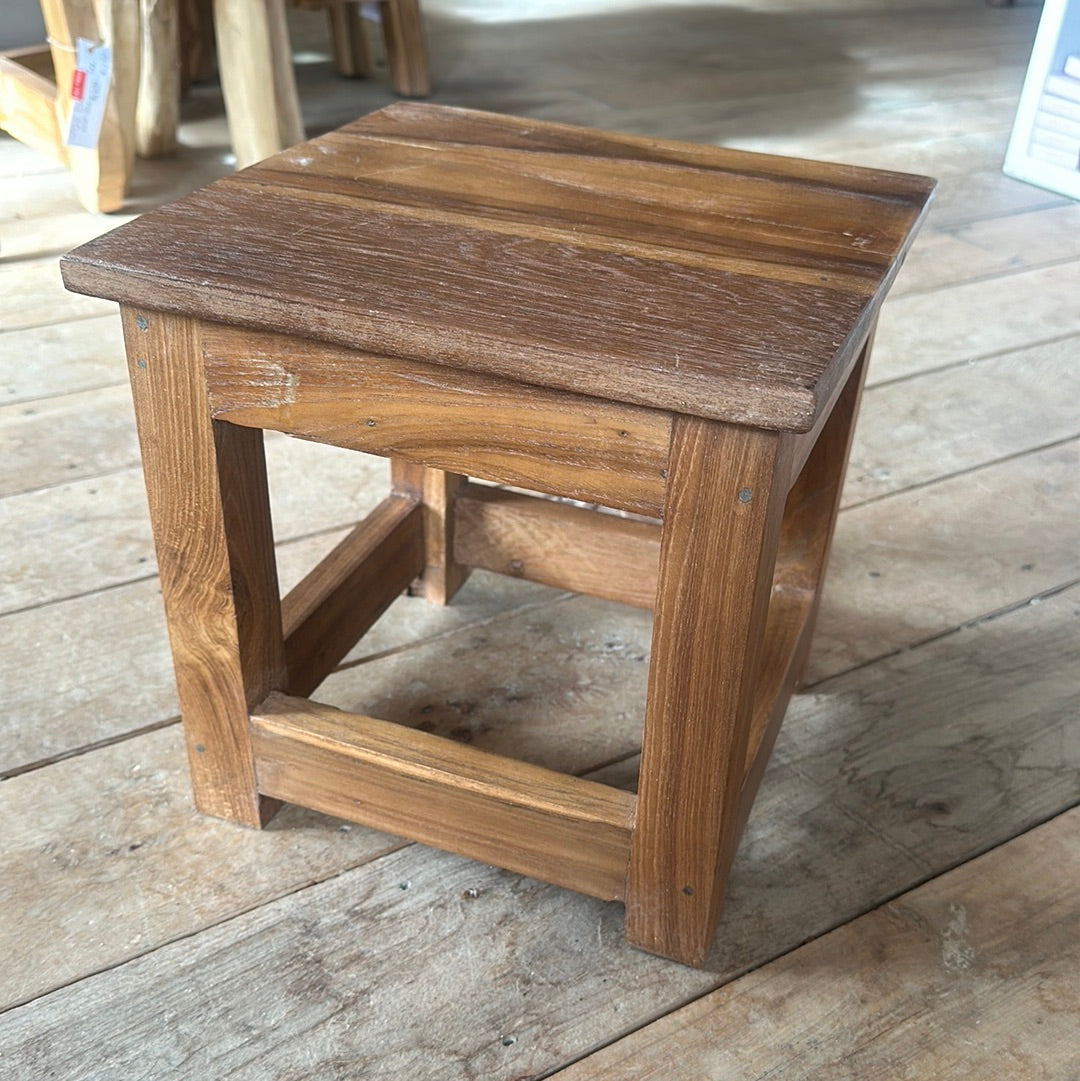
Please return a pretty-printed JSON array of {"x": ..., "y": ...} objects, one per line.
[
  {"x": 739, "y": 216},
  {"x": 559, "y": 828},
  {"x": 492, "y": 129}
]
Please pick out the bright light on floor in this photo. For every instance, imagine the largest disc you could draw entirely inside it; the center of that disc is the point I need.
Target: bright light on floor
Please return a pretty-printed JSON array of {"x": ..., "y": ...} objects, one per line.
[{"x": 510, "y": 11}]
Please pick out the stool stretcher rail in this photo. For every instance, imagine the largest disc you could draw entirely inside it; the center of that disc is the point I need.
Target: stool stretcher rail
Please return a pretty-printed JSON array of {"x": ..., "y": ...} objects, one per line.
[{"x": 523, "y": 817}]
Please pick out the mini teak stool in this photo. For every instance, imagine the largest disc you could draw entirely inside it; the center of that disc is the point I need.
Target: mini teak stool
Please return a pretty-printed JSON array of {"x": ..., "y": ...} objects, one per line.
[{"x": 672, "y": 330}]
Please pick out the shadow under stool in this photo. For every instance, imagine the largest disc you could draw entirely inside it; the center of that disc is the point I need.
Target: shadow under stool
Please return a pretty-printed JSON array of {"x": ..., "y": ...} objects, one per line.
[{"x": 671, "y": 330}]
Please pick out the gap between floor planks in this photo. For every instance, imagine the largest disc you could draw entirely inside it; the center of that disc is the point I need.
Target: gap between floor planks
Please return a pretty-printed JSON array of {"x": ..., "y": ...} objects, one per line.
[
  {"x": 871, "y": 608},
  {"x": 969, "y": 975},
  {"x": 857, "y": 748},
  {"x": 908, "y": 437}
]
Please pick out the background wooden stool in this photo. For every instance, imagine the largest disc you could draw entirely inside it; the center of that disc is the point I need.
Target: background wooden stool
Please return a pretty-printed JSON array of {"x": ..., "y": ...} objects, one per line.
[
  {"x": 402, "y": 26},
  {"x": 155, "y": 48},
  {"x": 675, "y": 331}
]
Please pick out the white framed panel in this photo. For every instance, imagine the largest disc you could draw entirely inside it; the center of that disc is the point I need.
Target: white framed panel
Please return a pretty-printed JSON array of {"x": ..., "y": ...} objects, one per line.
[{"x": 1044, "y": 148}]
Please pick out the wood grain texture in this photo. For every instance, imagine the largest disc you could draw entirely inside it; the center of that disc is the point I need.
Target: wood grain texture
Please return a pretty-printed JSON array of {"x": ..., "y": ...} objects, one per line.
[
  {"x": 959, "y": 780},
  {"x": 788, "y": 633},
  {"x": 63, "y": 358},
  {"x": 121, "y": 27},
  {"x": 245, "y": 515},
  {"x": 971, "y": 975},
  {"x": 67, "y": 437},
  {"x": 718, "y": 546},
  {"x": 951, "y": 254},
  {"x": 555, "y": 827},
  {"x": 522, "y": 684},
  {"x": 976, "y": 537},
  {"x": 108, "y": 666},
  {"x": 680, "y": 319},
  {"x": 139, "y": 859},
  {"x": 497, "y": 429},
  {"x": 557, "y": 544},
  {"x": 206, "y": 486},
  {"x": 337, "y": 602},
  {"x": 30, "y": 235},
  {"x": 1002, "y": 313},
  {"x": 803, "y": 445}
]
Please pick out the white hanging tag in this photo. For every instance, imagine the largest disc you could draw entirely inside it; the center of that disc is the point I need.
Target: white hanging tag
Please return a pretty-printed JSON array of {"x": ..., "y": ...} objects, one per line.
[{"x": 89, "y": 92}]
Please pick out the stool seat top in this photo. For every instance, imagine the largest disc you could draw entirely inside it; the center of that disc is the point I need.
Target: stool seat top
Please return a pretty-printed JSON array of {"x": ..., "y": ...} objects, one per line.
[{"x": 721, "y": 283}]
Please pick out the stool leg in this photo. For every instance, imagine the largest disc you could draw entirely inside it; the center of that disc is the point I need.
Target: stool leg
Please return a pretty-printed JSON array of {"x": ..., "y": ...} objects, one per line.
[
  {"x": 206, "y": 487},
  {"x": 403, "y": 33},
  {"x": 726, "y": 488},
  {"x": 351, "y": 54},
  {"x": 286, "y": 94},
  {"x": 814, "y": 501},
  {"x": 436, "y": 490},
  {"x": 257, "y": 78},
  {"x": 157, "y": 112}
]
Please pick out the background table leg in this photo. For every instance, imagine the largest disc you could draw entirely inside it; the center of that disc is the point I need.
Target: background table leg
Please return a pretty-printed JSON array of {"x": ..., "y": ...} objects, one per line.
[{"x": 253, "y": 56}]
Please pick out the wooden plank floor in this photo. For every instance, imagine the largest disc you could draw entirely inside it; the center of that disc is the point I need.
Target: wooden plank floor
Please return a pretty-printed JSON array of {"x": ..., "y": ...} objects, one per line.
[{"x": 901, "y": 903}]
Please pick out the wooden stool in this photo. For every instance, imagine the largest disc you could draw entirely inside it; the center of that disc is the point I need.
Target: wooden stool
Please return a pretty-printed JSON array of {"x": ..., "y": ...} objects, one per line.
[
  {"x": 672, "y": 330},
  {"x": 402, "y": 28}
]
